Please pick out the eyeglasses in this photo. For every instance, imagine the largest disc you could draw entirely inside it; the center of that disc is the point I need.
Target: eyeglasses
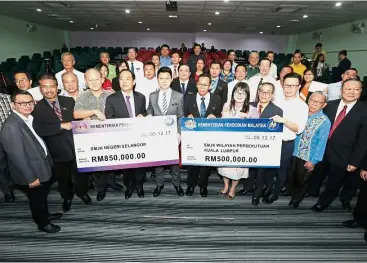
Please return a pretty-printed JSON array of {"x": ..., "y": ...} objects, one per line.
[
  {"x": 26, "y": 103},
  {"x": 291, "y": 86},
  {"x": 202, "y": 85},
  {"x": 316, "y": 102},
  {"x": 265, "y": 93}
]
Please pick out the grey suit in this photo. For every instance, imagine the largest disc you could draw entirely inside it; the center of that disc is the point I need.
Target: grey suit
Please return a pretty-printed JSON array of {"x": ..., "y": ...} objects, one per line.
[{"x": 175, "y": 107}]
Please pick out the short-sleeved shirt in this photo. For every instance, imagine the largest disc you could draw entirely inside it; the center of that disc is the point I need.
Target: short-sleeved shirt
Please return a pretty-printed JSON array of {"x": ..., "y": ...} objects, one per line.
[{"x": 87, "y": 101}]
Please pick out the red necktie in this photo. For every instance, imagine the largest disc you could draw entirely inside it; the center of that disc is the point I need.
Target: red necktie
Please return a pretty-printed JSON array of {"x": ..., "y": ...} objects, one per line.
[
  {"x": 57, "y": 110},
  {"x": 259, "y": 109},
  {"x": 338, "y": 120}
]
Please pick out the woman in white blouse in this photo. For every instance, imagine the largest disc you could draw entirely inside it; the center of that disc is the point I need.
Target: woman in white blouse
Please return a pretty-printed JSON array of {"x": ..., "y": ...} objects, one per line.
[{"x": 308, "y": 85}]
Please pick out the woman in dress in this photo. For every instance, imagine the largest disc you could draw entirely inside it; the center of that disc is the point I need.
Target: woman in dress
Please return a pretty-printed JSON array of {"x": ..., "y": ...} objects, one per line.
[
  {"x": 238, "y": 107},
  {"x": 106, "y": 83},
  {"x": 227, "y": 74}
]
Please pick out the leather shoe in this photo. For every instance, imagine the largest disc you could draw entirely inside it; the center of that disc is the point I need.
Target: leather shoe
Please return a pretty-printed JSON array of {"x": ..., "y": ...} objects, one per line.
[
  {"x": 86, "y": 199},
  {"x": 266, "y": 193},
  {"x": 140, "y": 192},
  {"x": 190, "y": 191},
  {"x": 293, "y": 203},
  {"x": 101, "y": 196},
  {"x": 50, "y": 228},
  {"x": 351, "y": 224},
  {"x": 318, "y": 207},
  {"x": 255, "y": 201},
  {"x": 128, "y": 193},
  {"x": 346, "y": 206},
  {"x": 9, "y": 197},
  {"x": 157, "y": 191},
  {"x": 55, "y": 216},
  {"x": 203, "y": 192},
  {"x": 116, "y": 187},
  {"x": 179, "y": 190},
  {"x": 244, "y": 192},
  {"x": 66, "y": 205},
  {"x": 271, "y": 199}
]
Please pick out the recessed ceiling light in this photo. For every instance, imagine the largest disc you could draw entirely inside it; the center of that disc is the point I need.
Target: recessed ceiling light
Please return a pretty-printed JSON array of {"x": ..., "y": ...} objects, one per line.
[
  {"x": 71, "y": 21},
  {"x": 148, "y": 29},
  {"x": 204, "y": 30},
  {"x": 261, "y": 32},
  {"x": 172, "y": 16},
  {"x": 278, "y": 26},
  {"x": 92, "y": 28},
  {"x": 127, "y": 11},
  {"x": 305, "y": 16},
  {"x": 225, "y": 0},
  {"x": 39, "y": 10},
  {"x": 140, "y": 22},
  {"x": 217, "y": 13},
  {"x": 209, "y": 24},
  {"x": 338, "y": 4}
]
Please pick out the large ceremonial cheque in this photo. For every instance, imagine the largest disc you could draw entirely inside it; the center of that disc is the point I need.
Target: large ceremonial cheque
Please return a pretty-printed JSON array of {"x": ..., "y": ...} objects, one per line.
[
  {"x": 231, "y": 142},
  {"x": 125, "y": 143}
]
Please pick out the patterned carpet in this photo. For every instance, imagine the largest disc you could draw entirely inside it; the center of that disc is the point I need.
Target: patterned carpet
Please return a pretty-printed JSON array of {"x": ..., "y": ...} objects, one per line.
[{"x": 181, "y": 229}]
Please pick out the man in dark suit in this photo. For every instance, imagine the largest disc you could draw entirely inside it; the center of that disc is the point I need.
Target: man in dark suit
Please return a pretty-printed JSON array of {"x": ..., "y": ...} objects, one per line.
[
  {"x": 202, "y": 104},
  {"x": 218, "y": 86},
  {"x": 344, "y": 65},
  {"x": 127, "y": 103},
  {"x": 184, "y": 84},
  {"x": 264, "y": 177},
  {"x": 346, "y": 145},
  {"x": 28, "y": 158},
  {"x": 52, "y": 121}
]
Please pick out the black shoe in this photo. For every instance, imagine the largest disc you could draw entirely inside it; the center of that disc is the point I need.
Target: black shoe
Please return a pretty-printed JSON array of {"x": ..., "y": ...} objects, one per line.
[
  {"x": 244, "y": 192},
  {"x": 351, "y": 224},
  {"x": 255, "y": 201},
  {"x": 190, "y": 191},
  {"x": 86, "y": 199},
  {"x": 50, "y": 228},
  {"x": 346, "y": 206},
  {"x": 140, "y": 192},
  {"x": 271, "y": 199},
  {"x": 284, "y": 191},
  {"x": 116, "y": 187},
  {"x": 9, "y": 197},
  {"x": 266, "y": 193},
  {"x": 157, "y": 191},
  {"x": 179, "y": 190},
  {"x": 203, "y": 191},
  {"x": 101, "y": 196},
  {"x": 318, "y": 207},
  {"x": 293, "y": 203},
  {"x": 66, "y": 205},
  {"x": 128, "y": 193},
  {"x": 55, "y": 216}
]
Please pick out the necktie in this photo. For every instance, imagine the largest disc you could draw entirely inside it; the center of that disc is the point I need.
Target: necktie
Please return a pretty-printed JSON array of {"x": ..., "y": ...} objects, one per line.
[
  {"x": 128, "y": 105},
  {"x": 202, "y": 108},
  {"x": 260, "y": 109},
  {"x": 257, "y": 91},
  {"x": 175, "y": 72},
  {"x": 56, "y": 110},
  {"x": 132, "y": 67},
  {"x": 183, "y": 88},
  {"x": 212, "y": 86},
  {"x": 338, "y": 120},
  {"x": 164, "y": 105}
]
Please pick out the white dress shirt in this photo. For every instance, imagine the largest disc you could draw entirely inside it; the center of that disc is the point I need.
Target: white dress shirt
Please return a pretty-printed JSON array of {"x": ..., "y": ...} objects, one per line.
[
  {"x": 234, "y": 65},
  {"x": 231, "y": 87},
  {"x": 296, "y": 111},
  {"x": 147, "y": 86},
  {"x": 36, "y": 93},
  {"x": 172, "y": 67},
  {"x": 274, "y": 71},
  {"x": 206, "y": 102},
  {"x": 79, "y": 75},
  {"x": 254, "y": 81},
  {"x": 278, "y": 93},
  {"x": 138, "y": 70},
  {"x": 29, "y": 122},
  {"x": 168, "y": 97},
  {"x": 341, "y": 106},
  {"x": 333, "y": 91},
  {"x": 132, "y": 102}
]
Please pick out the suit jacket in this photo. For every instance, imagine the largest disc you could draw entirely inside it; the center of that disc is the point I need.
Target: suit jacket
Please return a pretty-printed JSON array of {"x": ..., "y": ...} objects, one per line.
[
  {"x": 190, "y": 88},
  {"x": 222, "y": 91},
  {"x": 175, "y": 106},
  {"x": 26, "y": 158},
  {"x": 116, "y": 106},
  {"x": 348, "y": 144},
  {"x": 191, "y": 107},
  {"x": 47, "y": 125},
  {"x": 270, "y": 110}
]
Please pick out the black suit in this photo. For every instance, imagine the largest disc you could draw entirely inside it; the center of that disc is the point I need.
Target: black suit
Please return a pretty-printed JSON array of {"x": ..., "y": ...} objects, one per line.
[
  {"x": 28, "y": 162},
  {"x": 222, "y": 91},
  {"x": 61, "y": 145},
  {"x": 190, "y": 87},
  {"x": 116, "y": 108},
  {"x": 343, "y": 65},
  {"x": 347, "y": 146},
  {"x": 197, "y": 175}
]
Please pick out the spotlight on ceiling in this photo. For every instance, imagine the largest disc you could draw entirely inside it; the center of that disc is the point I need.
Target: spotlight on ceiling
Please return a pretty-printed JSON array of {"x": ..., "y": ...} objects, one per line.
[
  {"x": 127, "y": 11},
  {"x": 305, "y": 16},
  {"x": 217, "y": 13},
  {"x": 338, "y": 4}
]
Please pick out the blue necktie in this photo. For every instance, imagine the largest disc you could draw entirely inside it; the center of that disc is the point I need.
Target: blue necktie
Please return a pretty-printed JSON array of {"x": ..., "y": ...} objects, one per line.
[
  {"x": 183, "y": 88},
  {"x": 132, "y": 67},
  {"x": 202, "y": 108}
]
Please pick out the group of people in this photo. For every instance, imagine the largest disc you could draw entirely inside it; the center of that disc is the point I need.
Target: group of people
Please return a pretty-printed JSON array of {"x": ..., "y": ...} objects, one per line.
[{"x": 321, "y": 137}]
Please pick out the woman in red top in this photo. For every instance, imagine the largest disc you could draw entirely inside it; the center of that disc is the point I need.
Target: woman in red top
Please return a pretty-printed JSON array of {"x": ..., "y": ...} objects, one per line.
[
  {"x": 106, "y": 84},
  {"x": 200, "y": 69}
]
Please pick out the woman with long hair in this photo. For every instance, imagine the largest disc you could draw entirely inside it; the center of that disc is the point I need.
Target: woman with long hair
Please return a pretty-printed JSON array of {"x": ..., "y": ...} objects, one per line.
[
  {"x": 227, "y": 74},
  {"x": 200, "y": 69},
  {"x": 238, "y": 107},
  {"x": 309, "y": 85},
  {"x": 120, "y": 65},
  {"x": 106, "y": 83},
  {"x": 319, "y": 66}
]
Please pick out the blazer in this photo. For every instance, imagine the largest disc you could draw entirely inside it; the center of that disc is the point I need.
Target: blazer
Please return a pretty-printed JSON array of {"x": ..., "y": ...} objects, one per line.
[
  {"x": 222, "y": 91},
  {"x": 47, "y": 125},
  {"x": 348, "y": 144},
  {"x": 214, "y": 107},
  {"x": 116, "y": 106},
  {"x": 190, "y": 88},
  {"x": 269, "y": 111},
  {"x": 27, "y": 159}
]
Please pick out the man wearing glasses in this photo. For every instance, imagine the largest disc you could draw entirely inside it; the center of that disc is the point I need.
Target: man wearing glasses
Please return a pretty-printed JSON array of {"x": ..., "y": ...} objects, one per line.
[
  {"x": 24, "y": 82},
  {"x": 29, "y": 159},
  {"x": 309, "y": 148}
]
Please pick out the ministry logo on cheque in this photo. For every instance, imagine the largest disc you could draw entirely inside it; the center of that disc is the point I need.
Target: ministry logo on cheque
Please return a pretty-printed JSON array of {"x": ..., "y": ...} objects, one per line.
[
  {"x": 272, "y": 125},
  {"x": 82, "y": 127},
  {"x": 190, "y": 124},
  {"x": 169, "y": 121}
]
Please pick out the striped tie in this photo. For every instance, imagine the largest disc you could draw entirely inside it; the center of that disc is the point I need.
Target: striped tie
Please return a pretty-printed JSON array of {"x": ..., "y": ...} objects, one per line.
[
  {"x": 164, "y": 105},
  {"x": 56, "y": 110}
]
